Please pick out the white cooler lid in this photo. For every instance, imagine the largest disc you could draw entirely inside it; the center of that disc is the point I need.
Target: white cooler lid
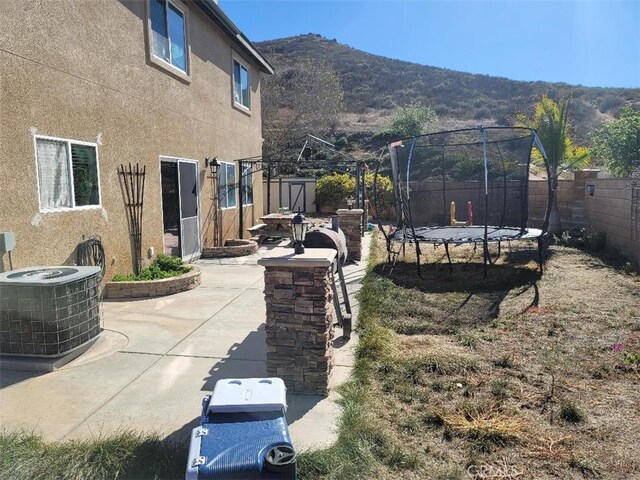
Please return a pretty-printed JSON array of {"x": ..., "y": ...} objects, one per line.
[{"x": 232, "y": 395}]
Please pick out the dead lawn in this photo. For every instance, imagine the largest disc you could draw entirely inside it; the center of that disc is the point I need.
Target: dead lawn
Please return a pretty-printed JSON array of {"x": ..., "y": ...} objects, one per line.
[{"x": 513, "y": 376}]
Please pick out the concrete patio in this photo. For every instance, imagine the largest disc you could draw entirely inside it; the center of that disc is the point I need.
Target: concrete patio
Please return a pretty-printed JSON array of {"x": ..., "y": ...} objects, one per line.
[{"x": 158, "y": 357}]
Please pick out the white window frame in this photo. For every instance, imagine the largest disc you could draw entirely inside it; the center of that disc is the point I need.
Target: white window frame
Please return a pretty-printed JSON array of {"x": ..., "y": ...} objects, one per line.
[
  {"x": 245, "y": 184},
  {"x": 235, "y": 190},
  {"x": 69, "y": 142},
  {"x": 239, "y": 104},
  {"x": 161, "y": 62}
]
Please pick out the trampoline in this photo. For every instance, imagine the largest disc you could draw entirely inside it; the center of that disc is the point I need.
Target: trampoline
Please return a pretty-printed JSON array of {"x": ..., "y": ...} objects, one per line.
[
  {"x": 467, "y": 234},
  {"x": 466, "y": 186}
]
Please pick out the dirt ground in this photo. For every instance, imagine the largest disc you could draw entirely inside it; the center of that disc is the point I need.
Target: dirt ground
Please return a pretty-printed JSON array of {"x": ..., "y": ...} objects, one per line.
[{"x": 514, "y": 376}]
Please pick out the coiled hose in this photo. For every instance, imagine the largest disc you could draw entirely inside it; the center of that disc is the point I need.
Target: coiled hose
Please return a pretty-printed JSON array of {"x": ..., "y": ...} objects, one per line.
[{"x": 91, "y": 253}]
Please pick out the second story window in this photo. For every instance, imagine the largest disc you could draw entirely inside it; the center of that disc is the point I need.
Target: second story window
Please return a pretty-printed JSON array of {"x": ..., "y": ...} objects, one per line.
[
  {"x": 169, "y": 33},
  {"x": 241, "y": 85}
]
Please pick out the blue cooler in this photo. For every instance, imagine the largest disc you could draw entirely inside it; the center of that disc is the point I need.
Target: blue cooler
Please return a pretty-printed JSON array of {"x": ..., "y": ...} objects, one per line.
[{"x": 243, "y": 433}]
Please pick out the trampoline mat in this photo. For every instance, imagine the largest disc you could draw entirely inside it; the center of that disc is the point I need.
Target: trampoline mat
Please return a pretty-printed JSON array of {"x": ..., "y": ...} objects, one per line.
[{"x": 470, "y": 234}]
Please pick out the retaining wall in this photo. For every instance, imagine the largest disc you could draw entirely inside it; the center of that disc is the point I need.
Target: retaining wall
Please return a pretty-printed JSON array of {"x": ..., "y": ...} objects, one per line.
[{"x": 153, "y": 288}]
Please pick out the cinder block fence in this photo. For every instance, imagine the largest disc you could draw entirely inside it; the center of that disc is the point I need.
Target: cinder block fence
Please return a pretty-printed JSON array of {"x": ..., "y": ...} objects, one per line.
[{"x": 609, "y": 205}]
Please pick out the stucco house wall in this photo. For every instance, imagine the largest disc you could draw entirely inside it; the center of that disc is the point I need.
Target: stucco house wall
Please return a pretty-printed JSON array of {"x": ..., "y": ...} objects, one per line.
[{"x": 82, "y": 71}]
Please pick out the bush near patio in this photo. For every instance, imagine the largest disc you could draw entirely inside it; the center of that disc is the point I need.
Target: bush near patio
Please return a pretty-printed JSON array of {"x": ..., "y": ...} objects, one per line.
[
  {"x": 333, "y": 190},
  {"x": 164, "y": 266}
]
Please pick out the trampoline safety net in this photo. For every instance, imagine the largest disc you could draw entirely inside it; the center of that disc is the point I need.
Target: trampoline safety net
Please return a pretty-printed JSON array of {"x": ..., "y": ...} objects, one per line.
[{"x": 468, "y": 185}]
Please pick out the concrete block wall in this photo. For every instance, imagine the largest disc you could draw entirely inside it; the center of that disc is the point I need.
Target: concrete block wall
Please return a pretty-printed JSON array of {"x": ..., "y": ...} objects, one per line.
[
  {"x": 612, "y": 210},
  {"x": 538, "y": 198}
]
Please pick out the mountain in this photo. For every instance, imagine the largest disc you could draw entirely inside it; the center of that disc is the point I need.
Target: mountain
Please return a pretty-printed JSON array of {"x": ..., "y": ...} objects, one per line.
[{"x": 373, "y": 85}]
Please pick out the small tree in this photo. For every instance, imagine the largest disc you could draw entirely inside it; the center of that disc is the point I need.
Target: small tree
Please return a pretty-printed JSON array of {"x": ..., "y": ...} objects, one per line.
[
  {"x": 617, "y": 143},
  {"x": 304, "y": 98},
  {"x": 410, "y": 121},
  {"x": 551, "y": 121}
]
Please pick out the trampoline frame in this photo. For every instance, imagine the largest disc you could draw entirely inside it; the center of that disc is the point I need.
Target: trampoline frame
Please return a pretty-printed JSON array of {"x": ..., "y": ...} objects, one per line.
[{"x": 406, "y": 232}]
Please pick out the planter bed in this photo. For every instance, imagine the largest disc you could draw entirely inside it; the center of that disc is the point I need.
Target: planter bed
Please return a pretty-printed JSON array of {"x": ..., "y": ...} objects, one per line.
[
  {"x": 231, "y": 248},
  {"x": 153, "y": 288}
]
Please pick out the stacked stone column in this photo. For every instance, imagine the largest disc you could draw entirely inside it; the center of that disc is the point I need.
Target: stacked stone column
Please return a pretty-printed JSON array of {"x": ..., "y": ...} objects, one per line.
[
  {"x": 300, "y": 317},
  {"x": 351, "y": 225}
]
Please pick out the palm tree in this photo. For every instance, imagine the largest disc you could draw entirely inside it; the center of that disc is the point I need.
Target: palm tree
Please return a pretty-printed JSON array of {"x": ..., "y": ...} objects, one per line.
[{"x": 551, "y": 121}]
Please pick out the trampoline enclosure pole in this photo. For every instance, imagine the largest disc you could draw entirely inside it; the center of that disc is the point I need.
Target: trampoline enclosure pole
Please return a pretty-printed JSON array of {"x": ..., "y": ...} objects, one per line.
[{"x": 486, "y": 198}]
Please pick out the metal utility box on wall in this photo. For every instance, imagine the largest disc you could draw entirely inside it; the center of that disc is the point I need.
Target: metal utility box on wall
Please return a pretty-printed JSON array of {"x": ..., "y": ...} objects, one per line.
[{"x": 7, "y": 241}]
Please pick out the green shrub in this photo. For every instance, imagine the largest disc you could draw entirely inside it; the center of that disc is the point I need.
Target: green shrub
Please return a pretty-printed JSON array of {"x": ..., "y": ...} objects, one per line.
[
  {"x": 384, "y": 192},
  {"x": 168, "y": 263},
  {"x": 164, "y": 266},
  {"x": 332, "y": 190}
]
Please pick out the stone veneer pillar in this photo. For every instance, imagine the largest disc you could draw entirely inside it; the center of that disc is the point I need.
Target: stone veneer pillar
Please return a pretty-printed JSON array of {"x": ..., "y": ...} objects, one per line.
[
  {"x": 351, "y": 225},
  {"x": 300, "y": 317}
]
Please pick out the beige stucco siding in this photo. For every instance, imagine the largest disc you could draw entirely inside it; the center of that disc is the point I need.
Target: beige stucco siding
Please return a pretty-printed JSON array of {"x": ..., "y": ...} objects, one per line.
[{"x": 80, "y": 71}]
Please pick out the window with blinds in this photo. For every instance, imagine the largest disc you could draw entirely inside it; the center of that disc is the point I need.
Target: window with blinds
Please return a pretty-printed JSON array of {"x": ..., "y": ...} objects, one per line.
[{"x": 67, "y": 174}]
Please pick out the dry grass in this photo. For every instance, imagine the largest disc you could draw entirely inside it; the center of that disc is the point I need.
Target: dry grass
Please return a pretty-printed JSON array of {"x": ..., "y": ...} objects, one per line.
[
  {"x": 490, "y": 425},
  {"x": 517, "y": 367}
]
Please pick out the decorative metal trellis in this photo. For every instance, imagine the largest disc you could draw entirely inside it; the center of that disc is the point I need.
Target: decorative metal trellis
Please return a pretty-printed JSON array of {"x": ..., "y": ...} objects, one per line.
[{"x": 132, "y": 182}]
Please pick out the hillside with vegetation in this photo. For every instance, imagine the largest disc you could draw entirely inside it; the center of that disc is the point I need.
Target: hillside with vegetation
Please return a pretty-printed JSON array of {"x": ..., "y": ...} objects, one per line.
[{"x": 374, "y": 86}]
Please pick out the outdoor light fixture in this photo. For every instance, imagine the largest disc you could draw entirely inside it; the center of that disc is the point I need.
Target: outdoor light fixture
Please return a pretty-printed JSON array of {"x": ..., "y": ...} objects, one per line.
[
  {"x": 350, "y": 202},
  {"x": 212, "y": 164},
  {"x": 299, "y": 228}
]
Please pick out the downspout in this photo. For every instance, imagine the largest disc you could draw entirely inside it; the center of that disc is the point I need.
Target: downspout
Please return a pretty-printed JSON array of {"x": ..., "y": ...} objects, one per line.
[
  {"x": 241, "y": 213},
  {"x": 268, "y": 190}
]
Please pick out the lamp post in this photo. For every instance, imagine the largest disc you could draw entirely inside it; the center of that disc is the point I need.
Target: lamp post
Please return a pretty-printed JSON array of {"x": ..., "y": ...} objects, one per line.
[
  {"x": 350, "y": 202},
  {"x": 213, "y": 164},
  {"x": 299, "y": 228}
]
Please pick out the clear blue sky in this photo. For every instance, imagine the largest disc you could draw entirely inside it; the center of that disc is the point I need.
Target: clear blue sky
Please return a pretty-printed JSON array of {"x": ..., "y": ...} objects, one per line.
[{"x": 584, "y": 42}]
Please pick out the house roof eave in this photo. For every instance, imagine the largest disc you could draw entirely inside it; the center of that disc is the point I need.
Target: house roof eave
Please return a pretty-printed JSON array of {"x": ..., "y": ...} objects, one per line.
[{"x": 215, "y": 13}]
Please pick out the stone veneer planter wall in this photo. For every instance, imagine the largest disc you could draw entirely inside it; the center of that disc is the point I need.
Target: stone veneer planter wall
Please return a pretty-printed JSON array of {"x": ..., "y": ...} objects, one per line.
[
  {"x": 231, "y": 248},
  {"x": 153, "y": 288}
]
